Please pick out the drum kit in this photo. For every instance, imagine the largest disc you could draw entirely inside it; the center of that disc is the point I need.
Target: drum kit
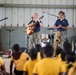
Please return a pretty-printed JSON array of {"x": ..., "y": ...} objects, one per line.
[{"x": 47, "y": 38}]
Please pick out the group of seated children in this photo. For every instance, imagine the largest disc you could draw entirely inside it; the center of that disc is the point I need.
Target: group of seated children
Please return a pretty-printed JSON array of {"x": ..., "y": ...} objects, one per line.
[{"x": 42, "y": 61}]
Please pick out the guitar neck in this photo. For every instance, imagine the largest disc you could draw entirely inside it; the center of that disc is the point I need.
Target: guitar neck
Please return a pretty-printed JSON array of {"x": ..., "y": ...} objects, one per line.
[
  {"x": 31, "y": 25},
  {"x": 35, "y": 22}
]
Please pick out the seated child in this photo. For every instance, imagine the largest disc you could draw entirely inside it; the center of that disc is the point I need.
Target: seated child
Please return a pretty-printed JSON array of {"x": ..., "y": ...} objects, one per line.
[
  {"x": 58, "y": 51},
  {"x": 19, "y": 59},
  {"x": 38, "y": 48},
  {"x": 70, "y": 60},
  {"x": 2, "y": 67},
  {"x": 72, "y": 71},
  {"x": 63, "y": 61},
  {"x": 29, "y": 65},
  {"x": 47, "y": 66}
]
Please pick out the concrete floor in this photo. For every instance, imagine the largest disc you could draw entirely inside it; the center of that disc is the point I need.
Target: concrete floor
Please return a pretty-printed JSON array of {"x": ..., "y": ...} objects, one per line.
[{"x": 7, "y": 64}]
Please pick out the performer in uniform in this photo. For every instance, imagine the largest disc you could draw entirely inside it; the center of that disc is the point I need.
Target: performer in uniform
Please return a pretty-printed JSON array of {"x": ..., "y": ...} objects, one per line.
[
  {"x": 61, "y": 25},
  {"x": 34, "y": 38}
]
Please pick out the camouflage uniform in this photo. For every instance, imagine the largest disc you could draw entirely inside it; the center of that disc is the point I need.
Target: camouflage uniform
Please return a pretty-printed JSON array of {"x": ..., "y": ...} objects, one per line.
[
  {"x": 34, "y": 39},
  {"x": 62, "y": 37}
]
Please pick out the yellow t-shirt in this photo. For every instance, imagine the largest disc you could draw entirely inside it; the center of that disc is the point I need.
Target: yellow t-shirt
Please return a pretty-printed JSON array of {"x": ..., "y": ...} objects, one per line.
[
  {"x": 72, "y": 71},
  {"x": 63, "y": 66},
  {"x": 29, "y": 65},
  {"x": 74, "y": 64},
  {"x": 1, "y": 62},
  {"x": 38, "y": 56},
  {"x": 19, "y": 64},
  {"x": 58, "y": 58},
  {"x": 47, "y": 66}
]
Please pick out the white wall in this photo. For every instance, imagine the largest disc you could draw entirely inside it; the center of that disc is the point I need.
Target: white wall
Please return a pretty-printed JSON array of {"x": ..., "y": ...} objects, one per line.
[
  {"x": 56, "y": 2},
  {"x": 23, "y": 15}
]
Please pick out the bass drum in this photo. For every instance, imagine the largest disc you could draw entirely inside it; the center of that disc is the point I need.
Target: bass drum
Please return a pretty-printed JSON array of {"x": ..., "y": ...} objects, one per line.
[
  {"x": 44, "y": 40},
  {"x": 44, "y": 37}
]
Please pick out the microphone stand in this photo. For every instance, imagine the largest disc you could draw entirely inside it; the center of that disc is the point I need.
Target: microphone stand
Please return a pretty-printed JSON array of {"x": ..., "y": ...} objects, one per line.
[
  {"x": 52, "y": 36},
  {"x": 10, "y": 42},
  {"x": 50, "y": 14}
]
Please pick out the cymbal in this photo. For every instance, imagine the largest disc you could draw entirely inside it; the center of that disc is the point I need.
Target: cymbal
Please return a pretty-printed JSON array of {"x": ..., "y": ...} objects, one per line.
[{"x": 50, "y": 28}]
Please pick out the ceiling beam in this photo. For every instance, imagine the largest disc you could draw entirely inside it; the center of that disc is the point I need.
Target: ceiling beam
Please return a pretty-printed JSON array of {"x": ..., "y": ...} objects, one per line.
[{"x": 39, "y": 6}]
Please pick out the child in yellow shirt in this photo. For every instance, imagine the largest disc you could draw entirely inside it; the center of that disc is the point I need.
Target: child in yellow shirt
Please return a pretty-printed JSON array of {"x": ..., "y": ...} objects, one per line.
[
  {"x": 63, "y": 61},
  {"x": 58, "y": 51},
  {"x": 47, "y": 66},
  {"x": 2, "y": 64},
  {"x": 2, "y": 68},
  {"x": 72, "y": 71},
  {"x": 69, "y": 61},
  {"x": 29, "y": 65},
  {"x": 38, "y": 48},
  {"x": 19, "y": 59}
]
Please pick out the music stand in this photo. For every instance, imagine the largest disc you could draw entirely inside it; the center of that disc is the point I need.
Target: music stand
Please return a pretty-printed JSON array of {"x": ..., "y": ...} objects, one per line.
[
  {"x": 10, "y": 34},
  {"x": 10, "y": 42}
]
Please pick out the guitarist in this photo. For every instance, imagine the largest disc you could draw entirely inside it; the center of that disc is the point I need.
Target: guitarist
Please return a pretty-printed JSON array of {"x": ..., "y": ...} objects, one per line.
[{"x": 34, "y": 39}]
